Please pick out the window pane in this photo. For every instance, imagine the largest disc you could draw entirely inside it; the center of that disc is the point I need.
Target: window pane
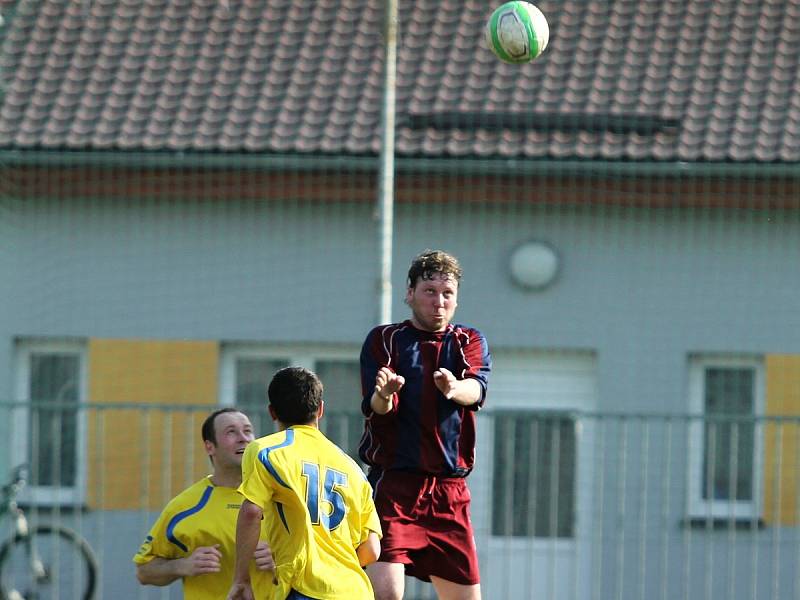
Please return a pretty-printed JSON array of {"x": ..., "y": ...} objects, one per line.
[
  {"x": 342, "y": 422},
  {"x": 252, "y": 380},
  {"x": 534, "y": 475},
  {"x": 729, "y": 434},
  {"x": 54, "y": 394}
]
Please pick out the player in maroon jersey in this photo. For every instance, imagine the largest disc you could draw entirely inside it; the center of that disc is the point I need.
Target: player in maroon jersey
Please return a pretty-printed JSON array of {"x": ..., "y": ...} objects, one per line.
[{"x": 422, "y": 381}]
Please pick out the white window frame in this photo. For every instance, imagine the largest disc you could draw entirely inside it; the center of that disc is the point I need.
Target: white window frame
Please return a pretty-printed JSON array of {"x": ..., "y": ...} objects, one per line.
[
  {"x": 719, "y": 509},
  {"x": 582, "y": 397},
  {"x": 48, "y": 495}
]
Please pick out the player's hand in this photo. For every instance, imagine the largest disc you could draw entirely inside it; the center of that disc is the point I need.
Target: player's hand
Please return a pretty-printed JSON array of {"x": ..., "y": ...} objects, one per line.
[
  {"x": 240, "y": 591},
  {"x": 446, "y": 382},
  {"x": 205, "y": 559},
  {"x": 263, "y": 557},
  {"x": 387, "y": 382}
]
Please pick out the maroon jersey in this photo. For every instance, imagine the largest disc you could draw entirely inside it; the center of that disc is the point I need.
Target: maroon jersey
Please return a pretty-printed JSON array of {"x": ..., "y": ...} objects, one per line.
[{"x": 424, "y": 432}]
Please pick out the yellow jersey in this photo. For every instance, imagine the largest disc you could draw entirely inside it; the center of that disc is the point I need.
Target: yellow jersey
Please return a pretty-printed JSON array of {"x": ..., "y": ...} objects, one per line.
[
  {"x": 202, "y": 515},
  {"x": 318, "y": 509}
]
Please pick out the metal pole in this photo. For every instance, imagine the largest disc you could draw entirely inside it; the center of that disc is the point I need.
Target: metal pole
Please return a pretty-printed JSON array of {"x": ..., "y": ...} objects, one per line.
[{"x": 386, "y": 172}]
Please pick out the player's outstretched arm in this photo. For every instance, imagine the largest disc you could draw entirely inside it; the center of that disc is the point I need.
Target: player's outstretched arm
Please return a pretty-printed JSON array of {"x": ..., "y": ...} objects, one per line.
[
  {"x": 369, "y": 550},
  {"x": 163, "y": 571},
  {"x": 461, "y": 391}
]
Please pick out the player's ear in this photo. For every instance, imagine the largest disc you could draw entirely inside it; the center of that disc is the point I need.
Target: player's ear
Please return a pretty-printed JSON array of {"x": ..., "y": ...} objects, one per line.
[
  {"x": 210, "y": 446},
  {"x": 272, "y": 412},
  {"x": 321, "y": 410}
]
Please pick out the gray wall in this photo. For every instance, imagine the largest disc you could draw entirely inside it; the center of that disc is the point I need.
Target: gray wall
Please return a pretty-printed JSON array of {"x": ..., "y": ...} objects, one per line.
[{"x": 642, "y": 288}]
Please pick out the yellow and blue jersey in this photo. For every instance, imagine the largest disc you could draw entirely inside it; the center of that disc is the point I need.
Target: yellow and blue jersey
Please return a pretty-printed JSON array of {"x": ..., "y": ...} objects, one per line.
[
  {"x": 318, "y": 509},
  {"x": 202, "y": 515}
]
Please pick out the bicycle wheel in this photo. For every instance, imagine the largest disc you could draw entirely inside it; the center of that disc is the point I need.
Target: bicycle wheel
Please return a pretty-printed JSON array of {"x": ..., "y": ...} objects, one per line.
[{"x": 51, "y": 563}]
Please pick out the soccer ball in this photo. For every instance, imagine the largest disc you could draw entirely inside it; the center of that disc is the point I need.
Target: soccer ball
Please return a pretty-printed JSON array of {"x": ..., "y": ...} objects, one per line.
[{"x": 517, "y": 32}]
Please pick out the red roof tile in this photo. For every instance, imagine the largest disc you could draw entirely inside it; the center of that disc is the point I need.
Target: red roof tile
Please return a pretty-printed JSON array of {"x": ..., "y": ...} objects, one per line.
[{"x": 302, "y": 76}]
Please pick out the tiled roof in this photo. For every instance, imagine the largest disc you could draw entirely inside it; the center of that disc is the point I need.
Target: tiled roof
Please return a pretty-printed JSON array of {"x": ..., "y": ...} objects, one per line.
[{"x": 302, "y": 76}]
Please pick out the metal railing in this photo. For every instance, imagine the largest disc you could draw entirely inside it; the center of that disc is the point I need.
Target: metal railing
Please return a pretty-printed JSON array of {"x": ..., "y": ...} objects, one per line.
[{"x": 566, "y": 505}]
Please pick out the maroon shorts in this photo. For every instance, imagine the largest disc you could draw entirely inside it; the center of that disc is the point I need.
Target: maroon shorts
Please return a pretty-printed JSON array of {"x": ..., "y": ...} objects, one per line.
[{"x": 426, "y": 525}]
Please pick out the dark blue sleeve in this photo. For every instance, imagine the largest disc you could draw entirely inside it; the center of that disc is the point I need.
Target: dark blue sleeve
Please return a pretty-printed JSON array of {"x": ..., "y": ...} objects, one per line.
[
  {"x": 369, "y": 369},
  {"x": 479, "y": 362}
]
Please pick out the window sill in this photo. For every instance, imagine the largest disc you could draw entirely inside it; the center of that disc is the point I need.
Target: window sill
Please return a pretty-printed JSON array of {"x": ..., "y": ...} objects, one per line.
[
  {"x": 49, "y": 508},
  {"x": 723, "y": 523}
]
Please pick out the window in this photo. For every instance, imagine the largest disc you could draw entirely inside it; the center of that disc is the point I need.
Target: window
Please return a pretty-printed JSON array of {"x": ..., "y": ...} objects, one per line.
[
  {"x": 725, "y": 457},
  {"x": 343, "y": 422},
  {"x": 253, "y": 375},
  {"x": 247, "y": 371},
  {"x": 49, "y": 423},
  {"x": 534, "y": 474}
]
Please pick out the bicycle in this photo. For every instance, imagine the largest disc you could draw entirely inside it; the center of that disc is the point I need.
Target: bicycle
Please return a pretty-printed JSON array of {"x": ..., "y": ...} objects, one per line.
[{"x": 42, "y": 560}]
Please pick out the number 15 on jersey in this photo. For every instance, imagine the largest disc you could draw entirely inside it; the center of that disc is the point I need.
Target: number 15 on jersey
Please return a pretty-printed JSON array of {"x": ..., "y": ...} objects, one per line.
[{"x": 325, "y": 502}]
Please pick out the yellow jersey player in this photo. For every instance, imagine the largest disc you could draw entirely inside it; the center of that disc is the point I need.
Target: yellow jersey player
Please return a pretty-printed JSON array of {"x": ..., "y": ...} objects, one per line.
[
  {"x": 316, "y": 503},
  {"x": 194, "y": 537}
]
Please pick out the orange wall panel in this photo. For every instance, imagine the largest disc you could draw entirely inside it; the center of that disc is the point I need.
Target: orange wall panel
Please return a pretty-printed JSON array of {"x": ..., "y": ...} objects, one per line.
[
  {"x": 141, "y": 456},
  {"x": 782, "y": 440}
]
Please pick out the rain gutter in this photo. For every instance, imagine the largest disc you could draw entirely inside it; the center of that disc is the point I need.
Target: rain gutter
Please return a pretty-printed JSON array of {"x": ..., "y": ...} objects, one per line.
[{"x": 370, "y": 164}]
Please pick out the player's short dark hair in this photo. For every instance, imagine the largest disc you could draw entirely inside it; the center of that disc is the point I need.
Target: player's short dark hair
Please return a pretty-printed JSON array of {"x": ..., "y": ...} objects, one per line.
[
  {"x": 295, "y": 395},
  {"x": 208, "y": 431},
  {"x": 431, "y": 263}
]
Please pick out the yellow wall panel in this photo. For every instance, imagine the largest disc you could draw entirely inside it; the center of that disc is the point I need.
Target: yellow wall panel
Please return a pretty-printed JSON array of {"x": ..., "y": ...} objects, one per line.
[
  {"x": 782, "y": 441},
  {"x": 141, "y": 457}
]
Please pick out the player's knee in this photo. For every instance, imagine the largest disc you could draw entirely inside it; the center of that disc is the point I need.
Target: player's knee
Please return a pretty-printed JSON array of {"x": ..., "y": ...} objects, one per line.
[
  {"x": 448, "y": 590},
  {"x": 388, "y": 593},
  {"x": 388, "y": 581},
  {"x": 387, "y": 589}
]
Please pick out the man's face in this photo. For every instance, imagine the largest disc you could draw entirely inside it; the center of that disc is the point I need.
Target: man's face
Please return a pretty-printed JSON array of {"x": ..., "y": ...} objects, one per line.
[
  {"x": 233, "y": 432},
  {"x": 433, "y": 302}
]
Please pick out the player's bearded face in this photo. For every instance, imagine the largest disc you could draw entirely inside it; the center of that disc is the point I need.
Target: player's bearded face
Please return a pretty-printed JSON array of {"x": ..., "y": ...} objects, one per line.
[{"x": 433, "y": 302}]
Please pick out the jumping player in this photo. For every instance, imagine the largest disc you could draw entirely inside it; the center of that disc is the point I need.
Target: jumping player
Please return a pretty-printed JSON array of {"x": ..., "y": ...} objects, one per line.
[{"x": 423, "y": 380}]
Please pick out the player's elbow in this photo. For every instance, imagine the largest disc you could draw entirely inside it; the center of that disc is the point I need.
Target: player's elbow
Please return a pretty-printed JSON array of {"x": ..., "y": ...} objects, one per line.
[
  {"x": 250, "y": 513},
  {"x": 158, "y": 572},
  {"x": 369, "y": 551},
  {"x": 143, "y": 576}
]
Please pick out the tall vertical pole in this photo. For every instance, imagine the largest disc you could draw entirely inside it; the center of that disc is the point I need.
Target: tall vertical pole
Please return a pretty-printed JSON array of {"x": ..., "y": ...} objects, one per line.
[{"x": 386, "y": 172}]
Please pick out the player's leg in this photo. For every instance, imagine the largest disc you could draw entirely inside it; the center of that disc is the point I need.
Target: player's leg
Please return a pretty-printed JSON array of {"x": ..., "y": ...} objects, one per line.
[
  {"x": 388, "y": 580},
  {"x": 451, "y": 558},
  {"x": 447, "y": 590},
  {"x": 396, "y": 496}
]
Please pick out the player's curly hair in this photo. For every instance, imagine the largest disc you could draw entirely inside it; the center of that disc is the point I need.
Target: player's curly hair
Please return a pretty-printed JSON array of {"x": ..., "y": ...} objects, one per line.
[
  {"x": 433, "y": 262},
  {"x": 295, "y": 395}
]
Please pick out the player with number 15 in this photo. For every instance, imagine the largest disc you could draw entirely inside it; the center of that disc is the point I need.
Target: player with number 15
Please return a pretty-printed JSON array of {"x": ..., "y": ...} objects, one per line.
[{"x": 316, "y": 503}]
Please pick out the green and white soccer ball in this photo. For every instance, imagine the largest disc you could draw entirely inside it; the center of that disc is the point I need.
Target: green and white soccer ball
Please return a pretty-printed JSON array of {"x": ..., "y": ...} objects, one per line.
[{"x": 517, "y": 32}]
